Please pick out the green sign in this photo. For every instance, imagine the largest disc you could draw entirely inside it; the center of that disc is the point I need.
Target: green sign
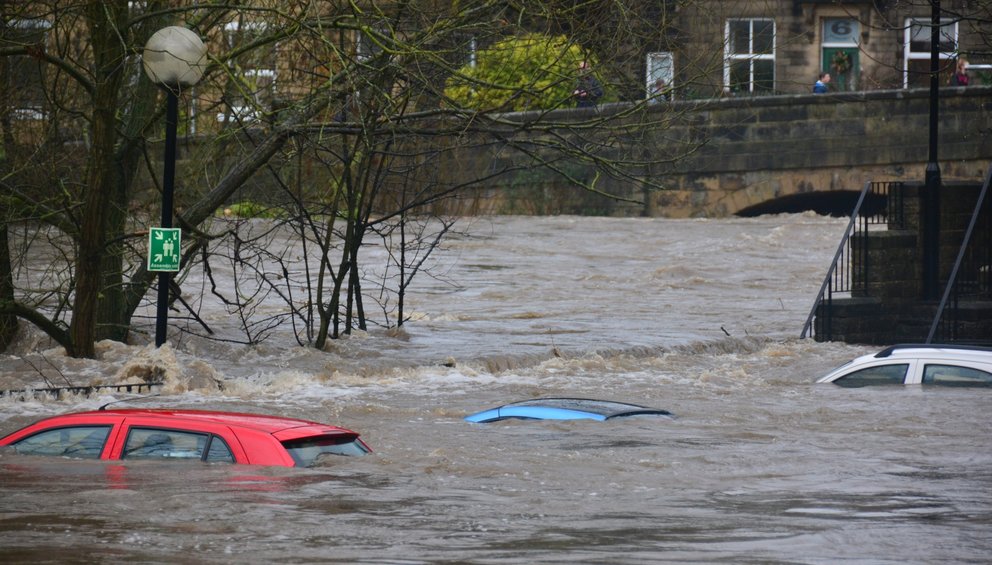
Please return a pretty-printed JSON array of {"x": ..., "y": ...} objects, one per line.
[{"x": 163, "y": 249}]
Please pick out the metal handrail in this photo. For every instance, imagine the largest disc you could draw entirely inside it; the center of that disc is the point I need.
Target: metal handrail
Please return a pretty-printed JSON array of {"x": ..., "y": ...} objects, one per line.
[
  {"x": 837, "y": 257},
  {"x": 961, "y": 253},
  {"x": 842, "y": 271},
  {"x": 59, "y": 391}
]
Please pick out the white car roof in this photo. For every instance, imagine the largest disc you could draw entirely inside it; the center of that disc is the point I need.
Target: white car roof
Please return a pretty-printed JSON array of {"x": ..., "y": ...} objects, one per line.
[
  {"x": 968, "y": 354},
  {"x": 974, "y": 352}
]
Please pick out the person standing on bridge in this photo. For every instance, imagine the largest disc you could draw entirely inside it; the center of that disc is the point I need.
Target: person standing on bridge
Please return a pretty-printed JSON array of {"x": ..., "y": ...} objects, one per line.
[
  {"x": 659, "y": 91},
  {"x": 588, "y": 91},
  {"x": 960, "y": 76},
  {"x": 821, "y": 85}
]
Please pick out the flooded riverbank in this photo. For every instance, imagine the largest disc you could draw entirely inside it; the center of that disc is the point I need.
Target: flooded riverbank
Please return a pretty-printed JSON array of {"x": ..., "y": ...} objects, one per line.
[{"x": 699, "y": 317}]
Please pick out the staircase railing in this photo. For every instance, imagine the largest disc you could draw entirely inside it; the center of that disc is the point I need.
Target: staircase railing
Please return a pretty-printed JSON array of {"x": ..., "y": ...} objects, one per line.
[
  {"x": 971, "y": 273},
  {"x": 849, "y": 260}
]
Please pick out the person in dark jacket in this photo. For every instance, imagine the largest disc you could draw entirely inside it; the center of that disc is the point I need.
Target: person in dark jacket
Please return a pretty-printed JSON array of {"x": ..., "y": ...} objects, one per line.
[{"x": 588, "y": 91}]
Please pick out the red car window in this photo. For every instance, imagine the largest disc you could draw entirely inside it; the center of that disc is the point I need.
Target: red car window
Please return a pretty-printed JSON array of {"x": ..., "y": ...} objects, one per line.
[
  {"x": 157, "y": 443},
  {"x": 305, "y": 451},
  {"x": 85, "y": 442}
]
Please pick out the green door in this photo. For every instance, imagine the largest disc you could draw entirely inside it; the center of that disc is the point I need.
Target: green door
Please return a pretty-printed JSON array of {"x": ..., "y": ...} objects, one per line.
[{"x": 844, "y": 67}]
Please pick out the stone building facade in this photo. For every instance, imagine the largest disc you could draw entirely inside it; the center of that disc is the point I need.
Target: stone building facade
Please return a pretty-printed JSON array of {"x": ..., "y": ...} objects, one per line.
[{"x": 747, "y": 47}]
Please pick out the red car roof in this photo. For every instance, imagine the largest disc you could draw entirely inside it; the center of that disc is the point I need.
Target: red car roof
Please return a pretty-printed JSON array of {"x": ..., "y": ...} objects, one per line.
[
  {"x": 259, "y": 422},
  {"x": 252, "y": 438}
]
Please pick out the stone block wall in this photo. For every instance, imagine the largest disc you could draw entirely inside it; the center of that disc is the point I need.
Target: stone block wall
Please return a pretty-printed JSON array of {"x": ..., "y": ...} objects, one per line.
[
  {"x": 886, "y": 304},
  {"x": 715, "y": 158},
  {"x": 748, "y": 151},
  {"x": 891, "y": 269}
]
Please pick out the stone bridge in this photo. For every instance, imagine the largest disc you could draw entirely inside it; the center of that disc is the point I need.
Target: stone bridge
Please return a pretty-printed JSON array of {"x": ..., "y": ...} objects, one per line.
[{"x": 764, "y": 155}]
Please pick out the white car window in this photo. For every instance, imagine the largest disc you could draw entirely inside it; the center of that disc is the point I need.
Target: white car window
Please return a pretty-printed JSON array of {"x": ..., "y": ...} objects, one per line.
[
  {"x": 954, "y": 375},
  {"x": 878, "y": 375}
]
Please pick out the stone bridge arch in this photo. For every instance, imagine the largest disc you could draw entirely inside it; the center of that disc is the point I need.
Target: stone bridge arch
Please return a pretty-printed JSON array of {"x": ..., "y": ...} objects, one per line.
[{"x": 837, "y": 203}]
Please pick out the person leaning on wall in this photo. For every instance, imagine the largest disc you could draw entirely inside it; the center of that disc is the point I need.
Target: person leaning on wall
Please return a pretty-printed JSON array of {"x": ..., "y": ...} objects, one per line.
[
  {"x": 821, "y": 84},
  {"x": 960, "y": 76},
  {"x": 658, "y": 91},
  {"x": 588, "y": 91}
]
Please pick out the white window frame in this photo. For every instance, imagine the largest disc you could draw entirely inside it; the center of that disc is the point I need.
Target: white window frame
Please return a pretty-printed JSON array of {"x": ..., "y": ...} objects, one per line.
[
  {"x": 31, "y": 24},
  {"x": 659, "y": 64},
  {"x": 751, "y": 56},
  {"x": 921, "y": 56},
  {"x": 365, "y": 48},
  {"x": 247, "y": 113}
]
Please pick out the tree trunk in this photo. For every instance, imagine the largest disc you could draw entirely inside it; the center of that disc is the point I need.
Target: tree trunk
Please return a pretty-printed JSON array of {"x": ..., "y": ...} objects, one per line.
[
  {"x": 104, "y": 20},
  {"x": 8, "y": 322}
]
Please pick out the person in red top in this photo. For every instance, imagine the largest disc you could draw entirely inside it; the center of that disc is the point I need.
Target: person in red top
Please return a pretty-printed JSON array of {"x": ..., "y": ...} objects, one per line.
[{"x": 960, "y": 76}]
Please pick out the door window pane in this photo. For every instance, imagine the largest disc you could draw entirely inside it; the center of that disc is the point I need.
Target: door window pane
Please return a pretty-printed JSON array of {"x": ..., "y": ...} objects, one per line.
[
  {"x": 952, "y": 375},
  {"x": 153, "y": 443},
  {"x": 84, "y": 442},
  {"x": 881, "y": 375},
  {"x": 219, "y": 452}
]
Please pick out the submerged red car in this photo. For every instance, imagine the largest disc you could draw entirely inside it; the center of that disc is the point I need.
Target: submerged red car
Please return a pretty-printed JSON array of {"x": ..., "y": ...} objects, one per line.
[{"x": 192, "y": 435}]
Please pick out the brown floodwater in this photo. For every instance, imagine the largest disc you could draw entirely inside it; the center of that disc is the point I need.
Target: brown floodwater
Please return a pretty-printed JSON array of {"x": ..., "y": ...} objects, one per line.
[{"x": 699, "y": 317}]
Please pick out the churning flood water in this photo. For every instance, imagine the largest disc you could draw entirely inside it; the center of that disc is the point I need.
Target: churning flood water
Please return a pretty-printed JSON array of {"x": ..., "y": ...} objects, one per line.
[{"x": 699, "y": 317}]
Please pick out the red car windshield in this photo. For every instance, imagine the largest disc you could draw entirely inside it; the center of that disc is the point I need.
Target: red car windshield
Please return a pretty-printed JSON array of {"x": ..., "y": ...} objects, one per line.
[{"x": 305, "y": 451}]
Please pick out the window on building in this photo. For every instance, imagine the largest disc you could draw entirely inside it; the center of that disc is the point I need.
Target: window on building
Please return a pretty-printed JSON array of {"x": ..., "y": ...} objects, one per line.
[
  {"x": 750, "y": 56},
  {"x": 367, "y": 46},
  {"x": 660, "y": 67},
  {"x": 250, "y": 93},
  {"x": 916, "y": 50},
  {"x": 472, "y": 51},
  {"x": 25, "y": 74}
]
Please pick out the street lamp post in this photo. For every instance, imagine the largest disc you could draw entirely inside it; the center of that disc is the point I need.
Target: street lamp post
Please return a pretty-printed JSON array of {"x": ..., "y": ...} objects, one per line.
[
  {"x": 174, "y": 58},
  {"x": 932, "y": 181}
]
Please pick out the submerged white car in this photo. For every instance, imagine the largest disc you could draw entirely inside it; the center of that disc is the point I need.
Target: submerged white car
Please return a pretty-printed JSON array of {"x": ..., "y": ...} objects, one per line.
[{"x": 948, "y": 365}]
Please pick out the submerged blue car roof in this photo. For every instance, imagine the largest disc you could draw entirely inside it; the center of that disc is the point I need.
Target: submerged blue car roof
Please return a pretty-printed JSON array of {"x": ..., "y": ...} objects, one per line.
[{"x": 564, "y": 409}]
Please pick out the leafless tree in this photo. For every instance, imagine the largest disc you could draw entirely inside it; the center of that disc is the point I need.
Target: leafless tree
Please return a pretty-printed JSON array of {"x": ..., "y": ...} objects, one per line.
[{"x": 333, "y": 113}]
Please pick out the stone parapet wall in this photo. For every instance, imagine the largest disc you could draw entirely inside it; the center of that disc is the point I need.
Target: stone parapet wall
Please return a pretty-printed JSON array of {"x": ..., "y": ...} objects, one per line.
[
  {"x": 751, "y": 151},
  {"x": 739, "y": 154}
]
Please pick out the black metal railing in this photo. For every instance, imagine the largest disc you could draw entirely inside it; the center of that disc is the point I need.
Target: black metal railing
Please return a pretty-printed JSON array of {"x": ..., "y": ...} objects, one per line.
[
  {"x": 880, "y": 203},
  {"x": 59, "y": 392},
  {"x": 969, "y": 279}
]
